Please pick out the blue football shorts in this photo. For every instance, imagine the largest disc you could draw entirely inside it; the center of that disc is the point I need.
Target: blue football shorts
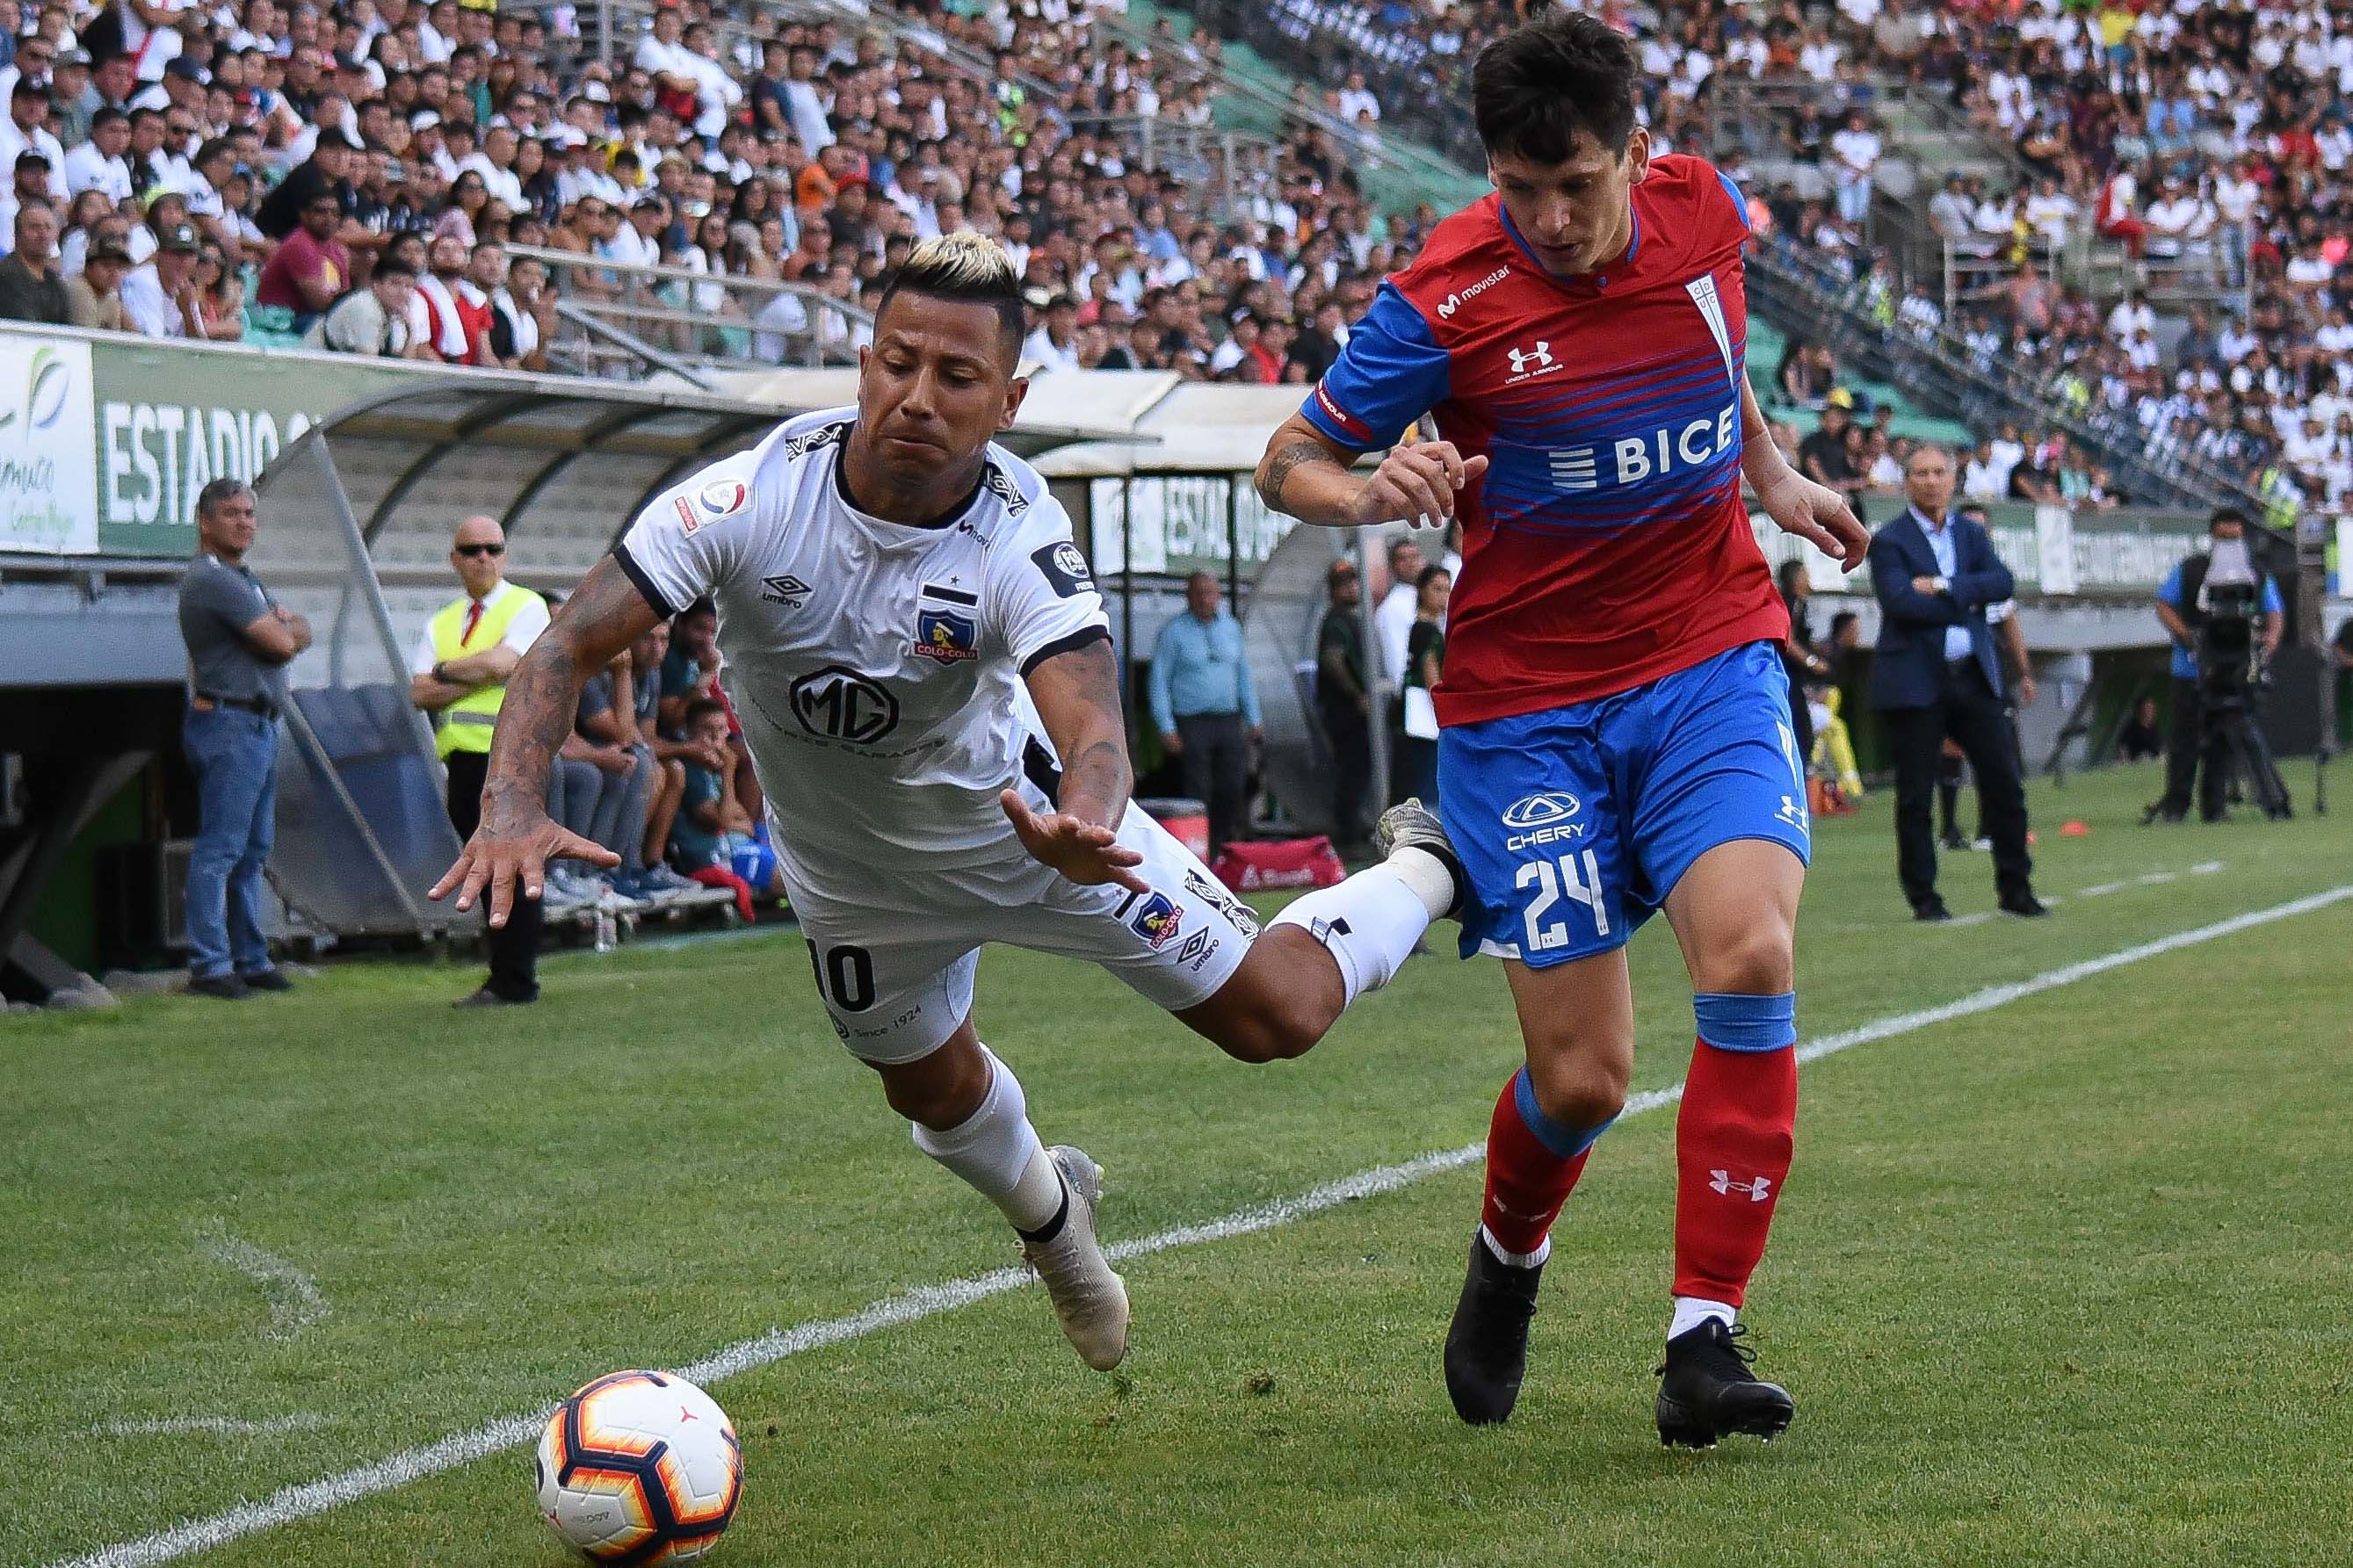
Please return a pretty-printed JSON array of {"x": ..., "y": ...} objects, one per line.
[{"x": 1575, "y": 822}]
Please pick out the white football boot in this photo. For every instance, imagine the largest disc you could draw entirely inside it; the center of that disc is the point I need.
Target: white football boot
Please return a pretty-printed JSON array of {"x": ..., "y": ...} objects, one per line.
[{"x": 1089, "y": 1298}]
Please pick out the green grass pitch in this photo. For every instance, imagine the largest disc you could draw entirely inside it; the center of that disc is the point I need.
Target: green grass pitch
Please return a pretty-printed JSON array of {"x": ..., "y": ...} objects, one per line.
[{"x": 2060, "y": 1281}]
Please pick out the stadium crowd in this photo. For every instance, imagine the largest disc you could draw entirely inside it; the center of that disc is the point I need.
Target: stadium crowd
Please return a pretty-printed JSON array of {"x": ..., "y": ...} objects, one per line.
[{"x": 355, "y": 177}]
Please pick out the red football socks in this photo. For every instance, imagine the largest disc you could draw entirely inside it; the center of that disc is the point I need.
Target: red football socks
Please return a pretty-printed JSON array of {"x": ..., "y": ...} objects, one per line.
[
  {"x": 1733, "y": 1141},
  {"x": 1527, "y": 1181}
]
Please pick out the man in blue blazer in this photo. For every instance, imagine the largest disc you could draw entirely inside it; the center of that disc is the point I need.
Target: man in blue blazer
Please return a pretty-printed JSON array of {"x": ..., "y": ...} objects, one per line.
[{"x": 1937, "y": 674}]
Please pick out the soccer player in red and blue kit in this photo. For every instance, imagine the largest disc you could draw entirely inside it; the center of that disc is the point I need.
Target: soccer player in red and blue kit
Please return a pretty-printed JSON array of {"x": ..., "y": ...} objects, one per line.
[{"x": 1615, "y": 724}]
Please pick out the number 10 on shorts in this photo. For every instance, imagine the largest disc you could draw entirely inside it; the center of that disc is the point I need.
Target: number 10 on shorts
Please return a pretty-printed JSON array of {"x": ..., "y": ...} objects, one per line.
[{"x": 1552, "y": 887}]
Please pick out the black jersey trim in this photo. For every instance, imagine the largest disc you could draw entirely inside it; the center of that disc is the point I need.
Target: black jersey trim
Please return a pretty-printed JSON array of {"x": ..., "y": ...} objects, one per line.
[
  {"x": 643, "y": 584},
  {"x": 1085, "y": 637}
]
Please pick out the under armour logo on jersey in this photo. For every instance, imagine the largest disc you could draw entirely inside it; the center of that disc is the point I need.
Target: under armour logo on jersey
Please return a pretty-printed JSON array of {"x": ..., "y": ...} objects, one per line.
[
  {"x": 1529, "y": 362},
  {"x": 1757, "y": 1191},
  {"x": 784, "y": 589}
]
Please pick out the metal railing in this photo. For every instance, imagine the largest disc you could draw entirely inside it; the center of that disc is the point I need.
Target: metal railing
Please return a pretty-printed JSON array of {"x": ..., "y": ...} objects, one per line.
[
  {"x": 680, "y": 320},
  {"x": 1219, "y": 168},
  {"x": 1940, "y": 369},
  {"x": 1411, "y": 101}
]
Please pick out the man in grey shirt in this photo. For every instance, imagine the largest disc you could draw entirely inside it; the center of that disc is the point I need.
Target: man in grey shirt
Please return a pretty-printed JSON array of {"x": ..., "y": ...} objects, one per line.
[{"x": 237, "y": 639}]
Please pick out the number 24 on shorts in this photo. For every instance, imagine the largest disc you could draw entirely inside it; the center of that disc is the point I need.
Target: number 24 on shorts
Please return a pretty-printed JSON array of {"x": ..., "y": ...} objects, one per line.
[{"x": 1552, "y": 889}]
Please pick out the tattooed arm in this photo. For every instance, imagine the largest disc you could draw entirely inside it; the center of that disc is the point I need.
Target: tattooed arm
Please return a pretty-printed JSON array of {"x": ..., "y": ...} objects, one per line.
[
  {"x": 516, "y": 838},
  {"x": 1305, "y": 475},
  {"x": 1077, "y": 695}
]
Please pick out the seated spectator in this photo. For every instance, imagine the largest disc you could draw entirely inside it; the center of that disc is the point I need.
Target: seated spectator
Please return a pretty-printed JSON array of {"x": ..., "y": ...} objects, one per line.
[
  {"x": 160, "y": 298},
  {"x": 311, "y": 269},
  {"x": 94, "y": 295},
  {"x": 375, "y": 320},
  {"x": 32, "y": 282},
  {"x": 716, "y": 831}
]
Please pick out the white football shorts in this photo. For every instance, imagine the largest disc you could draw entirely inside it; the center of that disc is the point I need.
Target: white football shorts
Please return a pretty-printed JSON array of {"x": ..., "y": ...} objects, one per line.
[{"x": 895, "y": 962}]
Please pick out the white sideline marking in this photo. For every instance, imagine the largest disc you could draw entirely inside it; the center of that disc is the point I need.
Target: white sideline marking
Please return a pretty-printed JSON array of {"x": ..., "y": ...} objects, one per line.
[
  {"x": 314, "y": 1497},
  {"x": 2205, "y": 868},
  {"x": 295, "y": 1302},
  {"x": 2157, "y": 878},
  {"x": 2101, "y": 890},
  {"x": 218, "y": 1425}
]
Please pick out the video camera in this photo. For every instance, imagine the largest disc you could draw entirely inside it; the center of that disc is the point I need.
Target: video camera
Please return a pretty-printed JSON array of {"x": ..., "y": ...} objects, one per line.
[{"x": 2231, "y": 601}]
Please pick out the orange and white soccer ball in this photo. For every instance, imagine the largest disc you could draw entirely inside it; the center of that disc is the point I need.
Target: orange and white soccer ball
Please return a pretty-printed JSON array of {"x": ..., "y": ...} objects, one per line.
[{"x": 640, "y": 1468}]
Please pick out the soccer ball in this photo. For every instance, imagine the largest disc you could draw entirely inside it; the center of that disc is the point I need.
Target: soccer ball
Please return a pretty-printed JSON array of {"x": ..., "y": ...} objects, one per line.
[{"x": 640, "y": 1468}]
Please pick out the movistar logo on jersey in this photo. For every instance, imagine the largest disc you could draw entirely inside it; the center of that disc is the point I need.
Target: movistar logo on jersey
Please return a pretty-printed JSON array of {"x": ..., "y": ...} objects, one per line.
[
  {"x": 1454, "y": 302},
  {"x": 1650, "y": 455}
]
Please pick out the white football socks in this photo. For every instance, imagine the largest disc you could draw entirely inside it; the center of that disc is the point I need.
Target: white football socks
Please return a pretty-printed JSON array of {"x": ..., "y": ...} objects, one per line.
[
  {"x": 998, "y": 1154},
  {"x": 1691, "y": 1312},
  {"x": 1516, "y": 1260},
  {"x": 1371, "y": 921}
]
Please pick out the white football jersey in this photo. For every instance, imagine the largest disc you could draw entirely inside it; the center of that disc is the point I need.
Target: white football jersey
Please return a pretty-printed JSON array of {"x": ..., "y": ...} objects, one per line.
[{"x": 876, "y": 667}]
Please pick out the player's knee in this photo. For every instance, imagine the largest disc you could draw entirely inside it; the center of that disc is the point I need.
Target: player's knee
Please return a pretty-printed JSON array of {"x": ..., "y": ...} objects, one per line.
[
  {"x": 1278, "y": 1032},
  {"x": 1580, "y": 1090},
  {"x": 1751, "y": 958},
  {"x": 936, "y": 1093}
]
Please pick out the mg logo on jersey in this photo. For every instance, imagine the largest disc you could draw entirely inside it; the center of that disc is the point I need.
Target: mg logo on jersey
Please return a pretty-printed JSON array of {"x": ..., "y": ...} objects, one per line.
[
  {"x": 1756, "y": 1191},
  {"x": 1631, "y": 460},
  {"x": 1532, "y": 361},
  {"x": 839, "y": 704}
]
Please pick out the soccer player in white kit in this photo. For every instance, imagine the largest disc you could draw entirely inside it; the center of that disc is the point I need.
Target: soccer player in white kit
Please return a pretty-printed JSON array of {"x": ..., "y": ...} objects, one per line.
[{"x": 923, "y": 671}]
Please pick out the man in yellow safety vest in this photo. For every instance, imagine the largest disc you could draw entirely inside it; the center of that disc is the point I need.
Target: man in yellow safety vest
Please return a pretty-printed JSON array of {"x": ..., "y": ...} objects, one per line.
[{"x": 459, "y": 672}]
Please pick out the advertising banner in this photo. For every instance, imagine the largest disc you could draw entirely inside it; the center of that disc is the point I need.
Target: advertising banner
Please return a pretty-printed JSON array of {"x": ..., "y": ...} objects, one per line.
[
  {"x": 48, "y": 481},
  {"x": 105, "y": 441}
]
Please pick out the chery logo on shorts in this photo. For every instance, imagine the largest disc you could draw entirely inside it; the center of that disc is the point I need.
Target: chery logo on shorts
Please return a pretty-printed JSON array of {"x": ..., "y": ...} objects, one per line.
[
  {"x": 1541, "y": 810},
  {"x": 1542, "y": 820}
]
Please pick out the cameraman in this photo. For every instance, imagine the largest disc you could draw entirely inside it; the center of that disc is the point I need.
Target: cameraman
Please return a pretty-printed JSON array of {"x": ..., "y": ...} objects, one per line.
[{"x": 2182, "y": 601}]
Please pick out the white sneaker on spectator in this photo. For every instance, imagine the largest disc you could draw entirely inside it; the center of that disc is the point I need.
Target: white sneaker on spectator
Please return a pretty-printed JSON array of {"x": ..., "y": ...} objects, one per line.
[
  {"x": 662, "y": 885},
  {"x": 608, "y": 894},
  {"x": 561, "y": 889}
]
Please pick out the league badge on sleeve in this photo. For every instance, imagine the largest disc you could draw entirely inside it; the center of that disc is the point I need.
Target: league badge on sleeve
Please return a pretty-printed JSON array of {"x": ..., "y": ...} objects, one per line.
[
  {"x": 1065, "y": 569},
  {"x": 717, "y": 500}
]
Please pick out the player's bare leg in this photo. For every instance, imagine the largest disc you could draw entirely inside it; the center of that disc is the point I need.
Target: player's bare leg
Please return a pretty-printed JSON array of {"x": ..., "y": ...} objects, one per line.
[
  {"x": 1330, "y": 947},
  {"x": 1735, "y": 913},
  {"x": 968, "y": 1114},
  {"x": 1577, "y": 1021}
]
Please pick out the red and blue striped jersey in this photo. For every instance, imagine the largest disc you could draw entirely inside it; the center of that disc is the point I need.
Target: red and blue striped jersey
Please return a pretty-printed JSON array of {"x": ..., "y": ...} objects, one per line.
[{"x": 1607, "y": 545}]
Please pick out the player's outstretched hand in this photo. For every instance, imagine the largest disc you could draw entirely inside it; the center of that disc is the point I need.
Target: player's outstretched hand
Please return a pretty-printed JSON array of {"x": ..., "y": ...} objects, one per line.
[
  {"x": 498, "y": 856},
  {"x": 1417, "y": 485},
  {"x": 1819, "y": 515},
  {"x": 1085, "y": 852}
]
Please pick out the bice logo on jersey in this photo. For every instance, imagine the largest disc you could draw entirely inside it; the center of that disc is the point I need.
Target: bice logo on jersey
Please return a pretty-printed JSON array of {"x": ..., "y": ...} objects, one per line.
[
  {"x": 1529, "y": 362},
  {"x": 1652, "y": 454},
  {"x": 1158, "y": 922},
  {"x": 945, "y": 636}
]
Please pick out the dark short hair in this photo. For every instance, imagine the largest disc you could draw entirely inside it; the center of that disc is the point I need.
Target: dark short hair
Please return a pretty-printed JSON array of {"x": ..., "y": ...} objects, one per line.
[
  {"x": 219, "y": 492},
  {"x": 2223, "y": 514},
  {"x": 1431, "y": 573},
  {"x": 1403, "y": 542},
  {"x": 701, "y": 707},
  {"x": 1537, "y": 89}
]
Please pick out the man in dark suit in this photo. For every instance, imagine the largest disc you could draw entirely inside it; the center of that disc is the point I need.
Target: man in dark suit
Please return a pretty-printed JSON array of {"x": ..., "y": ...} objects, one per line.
[{"x": 1937, "y": 673}]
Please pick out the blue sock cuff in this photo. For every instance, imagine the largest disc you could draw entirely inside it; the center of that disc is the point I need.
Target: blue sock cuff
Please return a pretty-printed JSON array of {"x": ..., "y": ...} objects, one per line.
[
  {"x": 1733, "y": 1022},
  {"x": 1566, "y": 1141}
]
